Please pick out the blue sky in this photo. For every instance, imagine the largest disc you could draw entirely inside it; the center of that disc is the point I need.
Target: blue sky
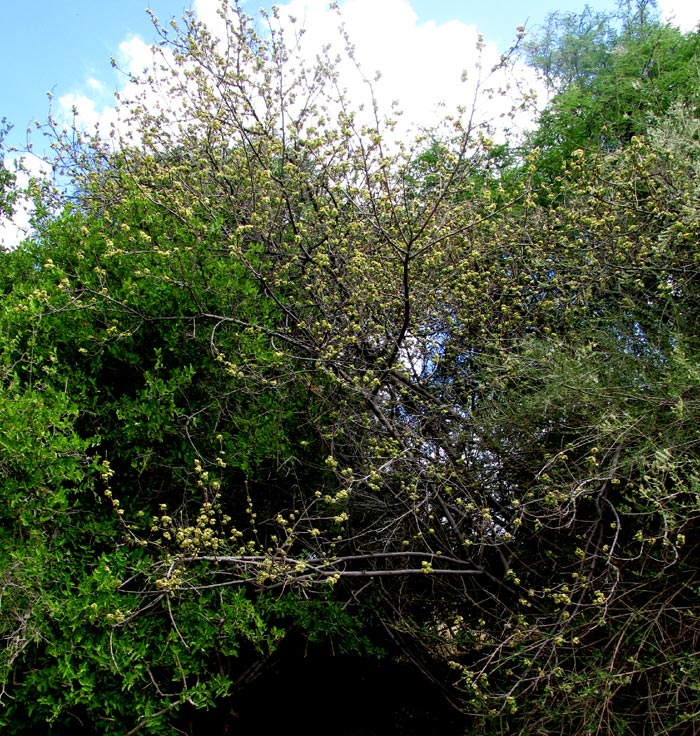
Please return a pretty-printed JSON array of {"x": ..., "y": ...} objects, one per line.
[
  {"x": 66, "y": 45},
  {"x": 60, "y": 45},
  {"x": 422, "y": 47}
]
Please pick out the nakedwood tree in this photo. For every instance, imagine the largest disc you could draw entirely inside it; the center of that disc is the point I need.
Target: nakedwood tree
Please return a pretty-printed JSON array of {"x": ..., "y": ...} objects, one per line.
[
  {"x": 593, "y": 429},
  {"x": 218, "y": 320},
  {"x": 330, "y": 373},
  {"x": 367, "y": 256}
]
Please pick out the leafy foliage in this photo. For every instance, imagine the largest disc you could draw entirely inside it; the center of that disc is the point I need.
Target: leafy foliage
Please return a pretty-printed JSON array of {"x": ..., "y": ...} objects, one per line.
[
  {"x": 268, "y": 370},
  {"x": 611, "y": 81},
  {"x": 7, "y": 178}
]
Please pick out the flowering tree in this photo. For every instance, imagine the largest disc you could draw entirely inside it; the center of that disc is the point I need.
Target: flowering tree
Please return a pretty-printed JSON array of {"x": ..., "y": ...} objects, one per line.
[{"x": 305, "y": 375}]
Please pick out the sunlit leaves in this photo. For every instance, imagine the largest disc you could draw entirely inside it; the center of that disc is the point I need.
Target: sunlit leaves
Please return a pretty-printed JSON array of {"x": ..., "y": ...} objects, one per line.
[{"x": 267, "y": 366}]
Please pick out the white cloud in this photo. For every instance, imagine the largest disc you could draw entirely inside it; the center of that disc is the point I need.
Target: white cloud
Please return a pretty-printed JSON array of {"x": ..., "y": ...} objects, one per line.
[
  {"x": 82, "y": 107},
  {"x": 430, "y": 69},
  {"x": 420, "y": 64},
  {"x": 17, "y": 228},
  {"x": 683, "y": 13},
  {"x": 135, "y": 55},
  {"x": 88, "y": 110},
  {"x": 208, "y": 12},
  {"x": 95, "y": 108}
]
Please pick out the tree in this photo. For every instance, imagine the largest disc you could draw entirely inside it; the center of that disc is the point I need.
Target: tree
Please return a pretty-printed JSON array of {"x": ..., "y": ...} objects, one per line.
[
  {"x": 7, "y": 178},
  {"x": 593, "y": 439},
  {"x": 300, "y": 376},
  {"x": 610, "y": 79}
]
